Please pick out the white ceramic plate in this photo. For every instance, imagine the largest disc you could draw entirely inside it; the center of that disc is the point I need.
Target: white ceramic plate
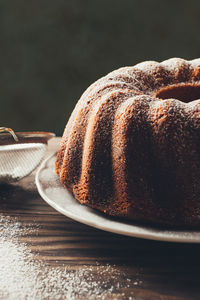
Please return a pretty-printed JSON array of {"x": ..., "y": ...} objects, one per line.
[{"x": 58, "y": 197}]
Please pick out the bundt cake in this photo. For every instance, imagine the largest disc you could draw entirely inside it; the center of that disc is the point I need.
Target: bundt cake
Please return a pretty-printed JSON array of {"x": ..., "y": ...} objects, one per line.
[{"x": 132, "y": 145}]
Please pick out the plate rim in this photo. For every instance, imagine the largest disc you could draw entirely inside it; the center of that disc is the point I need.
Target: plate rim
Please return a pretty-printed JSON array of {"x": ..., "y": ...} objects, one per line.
[{"x": 146, "y": 234}]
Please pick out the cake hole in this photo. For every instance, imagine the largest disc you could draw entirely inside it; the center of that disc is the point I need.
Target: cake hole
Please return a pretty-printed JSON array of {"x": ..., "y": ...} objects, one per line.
[{"x": 183, "y": 92}]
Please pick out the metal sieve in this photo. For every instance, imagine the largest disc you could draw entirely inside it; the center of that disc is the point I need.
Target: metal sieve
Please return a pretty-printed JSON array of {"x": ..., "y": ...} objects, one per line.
[{"x": 20, "y": 153}]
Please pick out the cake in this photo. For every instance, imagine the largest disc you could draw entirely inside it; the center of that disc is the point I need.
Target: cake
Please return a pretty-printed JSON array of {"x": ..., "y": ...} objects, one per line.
[{"x": 131, "y": 148}]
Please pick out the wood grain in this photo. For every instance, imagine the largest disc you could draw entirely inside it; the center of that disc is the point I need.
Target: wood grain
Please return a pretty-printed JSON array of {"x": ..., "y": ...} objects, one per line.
[{"x": 156, "y": 270}]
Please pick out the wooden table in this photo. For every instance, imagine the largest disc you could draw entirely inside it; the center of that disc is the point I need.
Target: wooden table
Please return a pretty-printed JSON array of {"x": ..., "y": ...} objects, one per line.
[{"x": 112, "y": 266}]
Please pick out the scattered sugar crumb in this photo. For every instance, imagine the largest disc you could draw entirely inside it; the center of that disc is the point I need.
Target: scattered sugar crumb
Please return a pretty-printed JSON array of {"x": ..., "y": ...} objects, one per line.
[{"x": 24, "y": 277}]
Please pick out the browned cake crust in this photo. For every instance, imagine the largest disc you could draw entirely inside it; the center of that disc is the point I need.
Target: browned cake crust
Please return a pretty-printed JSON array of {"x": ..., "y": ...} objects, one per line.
[{"x": 132, "y": 145}]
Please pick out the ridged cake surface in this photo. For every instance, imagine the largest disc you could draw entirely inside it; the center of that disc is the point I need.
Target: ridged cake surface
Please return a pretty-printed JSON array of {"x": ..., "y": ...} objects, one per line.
[{"x": 131, "y": 147}]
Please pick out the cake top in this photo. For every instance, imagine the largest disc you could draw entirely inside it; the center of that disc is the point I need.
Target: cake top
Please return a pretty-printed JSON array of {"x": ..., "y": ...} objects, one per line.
[{"x": 150, "y": 76}]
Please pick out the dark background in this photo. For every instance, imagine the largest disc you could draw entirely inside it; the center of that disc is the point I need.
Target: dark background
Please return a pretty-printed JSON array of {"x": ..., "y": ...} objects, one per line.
[{"x": 51, "y": 50}]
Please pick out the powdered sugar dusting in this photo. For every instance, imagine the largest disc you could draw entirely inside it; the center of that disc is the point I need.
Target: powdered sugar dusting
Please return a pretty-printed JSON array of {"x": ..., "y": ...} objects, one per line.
[
  {"x": 147, "y": 66},
  {"x": 195, "y": 62},
  {"x": 174, "y": 63},
  {"x": 23, "y": 276}
]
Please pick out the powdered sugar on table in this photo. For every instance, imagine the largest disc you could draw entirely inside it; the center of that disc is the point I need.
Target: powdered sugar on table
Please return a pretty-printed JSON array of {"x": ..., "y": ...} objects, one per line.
[{"x": 24, "y": 276}]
